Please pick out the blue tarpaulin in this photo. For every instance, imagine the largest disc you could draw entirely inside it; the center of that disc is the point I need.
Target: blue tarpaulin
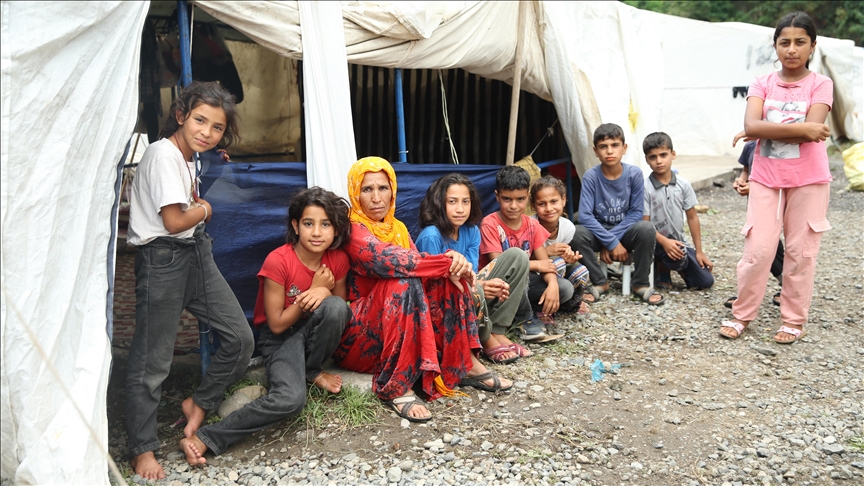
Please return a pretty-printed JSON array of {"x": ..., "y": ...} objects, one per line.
[{"x": 250, "y": 207}]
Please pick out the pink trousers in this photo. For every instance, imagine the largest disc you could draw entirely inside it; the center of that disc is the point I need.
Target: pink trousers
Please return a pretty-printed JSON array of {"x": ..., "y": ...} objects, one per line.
[{"x": 801, "y": 213}]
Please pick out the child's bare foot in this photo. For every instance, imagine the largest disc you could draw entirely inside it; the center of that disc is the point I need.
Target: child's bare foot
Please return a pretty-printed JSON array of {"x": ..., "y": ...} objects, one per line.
[
  {"x": 146, "y": 466},
  {"x": 194, "y": 416},
  {"x": 194, "y": 450},
  {"x": 493, "y": 349},
  {"x": 328, "y": 381},
  {"x": 518, "y": 349}
]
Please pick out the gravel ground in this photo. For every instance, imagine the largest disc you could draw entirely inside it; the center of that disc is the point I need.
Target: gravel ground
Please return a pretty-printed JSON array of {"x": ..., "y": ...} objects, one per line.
[{"x": 686, "y": 406}]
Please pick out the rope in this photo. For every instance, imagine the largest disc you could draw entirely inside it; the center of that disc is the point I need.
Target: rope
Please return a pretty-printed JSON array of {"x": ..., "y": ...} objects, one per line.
[
  {"x": 549, "y": 132},
  {"x": 446, "y": 118}
]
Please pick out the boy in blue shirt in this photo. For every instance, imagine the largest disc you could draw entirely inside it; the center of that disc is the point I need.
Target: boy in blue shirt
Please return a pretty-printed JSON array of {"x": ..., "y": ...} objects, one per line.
[
  {"x": 610, "y": 218},
  {"x": 667, "y": 198}
]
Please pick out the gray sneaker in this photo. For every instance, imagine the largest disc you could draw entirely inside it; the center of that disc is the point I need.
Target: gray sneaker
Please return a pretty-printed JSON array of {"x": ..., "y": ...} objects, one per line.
[{"x": 533, "y": 330}]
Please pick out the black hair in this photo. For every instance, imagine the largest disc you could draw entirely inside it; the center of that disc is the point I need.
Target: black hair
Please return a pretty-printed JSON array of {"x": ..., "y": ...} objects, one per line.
[
  {"x": 334, "y": 206},
  {"x": 210, "y": 93},
  {"x": 512, "y": 178},
  {"x": 656, "y": 140},
  {"x": 797, "y": 19},
  {"x": 608, "y": 130},
  {"x": 547, "y": 181},
  {"x": 433, "y": 209}
]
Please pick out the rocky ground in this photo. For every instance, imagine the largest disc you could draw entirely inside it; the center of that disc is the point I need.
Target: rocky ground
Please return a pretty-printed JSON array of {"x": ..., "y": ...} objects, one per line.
[{"x": 686, "y": 407}]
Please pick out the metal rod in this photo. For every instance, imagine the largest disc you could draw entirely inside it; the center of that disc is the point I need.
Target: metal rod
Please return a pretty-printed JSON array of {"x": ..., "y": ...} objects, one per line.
[
  {"x": 400, "y": 117},
  {"x": 185, "y": 44},
  {"x": 517, "y": 84}
]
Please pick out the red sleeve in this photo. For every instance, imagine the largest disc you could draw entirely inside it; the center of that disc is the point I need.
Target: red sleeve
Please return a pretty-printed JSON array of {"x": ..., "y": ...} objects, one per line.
[
  {"x": 371, "y": 257},
  {"x": 490, "y": 242},
  {"x": 823, "y": 91},
  {"x": 274, "y": 267}
]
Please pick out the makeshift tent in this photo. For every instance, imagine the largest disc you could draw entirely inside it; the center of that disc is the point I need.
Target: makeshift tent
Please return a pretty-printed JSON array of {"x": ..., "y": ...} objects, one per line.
[{"x": 69, "y": 97}]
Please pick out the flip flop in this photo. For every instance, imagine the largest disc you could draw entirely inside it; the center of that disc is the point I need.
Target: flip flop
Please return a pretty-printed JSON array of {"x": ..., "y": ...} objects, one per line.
[
  {"x": 594, "y": 292},
  {"x": 495, "y": 354},
  {"x": 730, "y": 301},
  {"x": 776, "y": 299},
  {"x": 477, "y": 382},
  {"x": 797, "y": 334},
  {"x": 407, "y": 402},
  {"x": 737, "y": 326}
]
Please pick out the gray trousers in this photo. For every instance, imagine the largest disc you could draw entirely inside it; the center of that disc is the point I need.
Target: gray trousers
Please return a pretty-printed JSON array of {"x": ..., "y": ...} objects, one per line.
[
  {"x": 314, "y": 338},
  {"x": 172, "y": 274},
  {"x": 638, "y": 240},
  {"x": 495, "y": 316},
  {"x": 537, "y": 285}
]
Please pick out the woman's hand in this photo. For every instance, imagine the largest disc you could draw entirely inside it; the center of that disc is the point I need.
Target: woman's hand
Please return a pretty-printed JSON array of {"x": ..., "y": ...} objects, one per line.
[{"x": 460, "y": 264}]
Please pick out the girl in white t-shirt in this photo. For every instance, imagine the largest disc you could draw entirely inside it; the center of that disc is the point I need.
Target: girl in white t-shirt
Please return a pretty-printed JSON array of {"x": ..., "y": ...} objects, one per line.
[
  {"x": 789, "y": 181},
  {"x": 174, "y": 269}
]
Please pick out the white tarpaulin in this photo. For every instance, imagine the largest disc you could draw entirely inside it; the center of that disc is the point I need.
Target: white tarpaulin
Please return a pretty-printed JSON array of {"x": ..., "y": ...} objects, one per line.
[
  {"x": 69, "y": 104},
  {"x": 330, "y": 149}
]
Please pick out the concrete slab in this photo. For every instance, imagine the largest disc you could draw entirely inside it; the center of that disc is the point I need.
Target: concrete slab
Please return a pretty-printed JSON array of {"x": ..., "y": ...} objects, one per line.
[{"x": 701, "y": 171}]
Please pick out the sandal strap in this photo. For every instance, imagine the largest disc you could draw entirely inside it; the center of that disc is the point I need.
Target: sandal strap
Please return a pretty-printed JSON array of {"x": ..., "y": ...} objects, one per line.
[
  {"x": 790, "y": 330},
  {"x": 739, "y": 328},
  {"x": 404, "y": 399}
]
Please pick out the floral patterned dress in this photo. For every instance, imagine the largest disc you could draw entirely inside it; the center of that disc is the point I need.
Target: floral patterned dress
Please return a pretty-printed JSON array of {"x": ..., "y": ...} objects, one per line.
[{"x": 410, "y": 323}]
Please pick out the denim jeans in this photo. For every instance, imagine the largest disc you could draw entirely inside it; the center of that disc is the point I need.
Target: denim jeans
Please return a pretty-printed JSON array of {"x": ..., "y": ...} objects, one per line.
[
  {"x": 172, "y": 274},
  {"x": 314, "y": 337},
  {"x": 688, "y": 267},
  {"x": 639, "y": 240}
]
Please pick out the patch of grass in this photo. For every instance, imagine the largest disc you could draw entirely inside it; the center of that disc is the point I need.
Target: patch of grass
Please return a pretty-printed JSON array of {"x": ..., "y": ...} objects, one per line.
[
  {"x": 857, "y": 443},
  {"x": 213, "y": 418},
  {"x": 347, "y": 409}
]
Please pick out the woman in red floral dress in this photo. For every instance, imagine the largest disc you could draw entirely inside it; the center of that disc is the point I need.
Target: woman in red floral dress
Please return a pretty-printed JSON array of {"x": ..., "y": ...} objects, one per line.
[{"x": 413, "y": 319}]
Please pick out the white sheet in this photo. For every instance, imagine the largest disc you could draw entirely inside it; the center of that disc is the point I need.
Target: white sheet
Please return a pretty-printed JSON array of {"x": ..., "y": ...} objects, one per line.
[{"x": 69, "y": 104}]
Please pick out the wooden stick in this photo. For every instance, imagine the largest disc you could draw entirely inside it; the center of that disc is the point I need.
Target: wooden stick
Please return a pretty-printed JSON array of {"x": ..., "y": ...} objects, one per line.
[{"x": 517, "y": 83}]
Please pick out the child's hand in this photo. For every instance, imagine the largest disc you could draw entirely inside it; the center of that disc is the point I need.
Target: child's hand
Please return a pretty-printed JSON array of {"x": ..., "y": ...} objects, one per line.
[
  {"x": 209, "y": 209},
  {"x": 815, "y": 132},
  {"x": 741, "y": 186},
  {"x": 739, "y": 136},
  {"x": 546, "y": 266},
  {"x": 496, "y": 289},
  {"x": 460, "y": 264},
  {"x": 324, "y": 278},
  {"x": 704, "y": 262},
  {"x": 673, "y": 248},
  {"x": 312, "y": 298},
  {"x": 605, "y": 256},
  {"x": 619, "y": 253},
  {"x": 550, "y": 300}
]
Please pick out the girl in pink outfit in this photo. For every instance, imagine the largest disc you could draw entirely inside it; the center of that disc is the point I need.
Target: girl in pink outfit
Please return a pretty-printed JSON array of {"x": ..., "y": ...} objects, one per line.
[{"x": 789, "y": 181}]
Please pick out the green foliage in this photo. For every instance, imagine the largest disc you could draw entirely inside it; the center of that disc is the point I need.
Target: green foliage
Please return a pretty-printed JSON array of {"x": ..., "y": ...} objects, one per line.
[
  {"x": 843, "y": 19},
  {"x": 349, "y": 408}
]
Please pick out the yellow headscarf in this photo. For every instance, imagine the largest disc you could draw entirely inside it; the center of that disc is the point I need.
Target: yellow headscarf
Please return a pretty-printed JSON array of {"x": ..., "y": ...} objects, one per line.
[{"x": 390, "y": 230}]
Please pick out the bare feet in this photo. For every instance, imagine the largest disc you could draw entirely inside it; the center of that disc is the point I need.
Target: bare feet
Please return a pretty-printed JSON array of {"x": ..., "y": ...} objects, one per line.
[
  {"x": 328, "y": 381},
  {"x": 479, "y": 368},
  {"x": 494, "y": 343},
  {"x": 417, "y": 409},
  {"x": 194, "y": 417},
  {"x": 194, "y": 450},
  {"x": 146, "y": 466}
]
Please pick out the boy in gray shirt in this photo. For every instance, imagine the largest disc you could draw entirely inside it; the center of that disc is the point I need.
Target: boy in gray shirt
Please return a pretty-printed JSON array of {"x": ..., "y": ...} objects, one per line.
[{"x": 668, "y": 197}]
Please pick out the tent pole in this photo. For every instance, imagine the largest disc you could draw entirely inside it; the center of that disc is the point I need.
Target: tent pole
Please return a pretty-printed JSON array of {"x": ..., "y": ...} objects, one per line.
[
  {"x": 186, "y": 80},
  {"x": 400, "y": 117},
  {"x": 185, "y": 51},
  {"x": 517, "y": 83}
]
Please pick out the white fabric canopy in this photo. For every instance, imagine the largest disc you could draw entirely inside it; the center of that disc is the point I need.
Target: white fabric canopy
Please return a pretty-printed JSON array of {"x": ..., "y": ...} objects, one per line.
[{"x": 69, "y": 105}]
